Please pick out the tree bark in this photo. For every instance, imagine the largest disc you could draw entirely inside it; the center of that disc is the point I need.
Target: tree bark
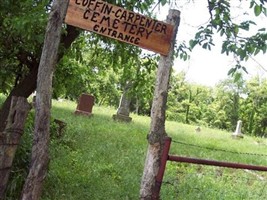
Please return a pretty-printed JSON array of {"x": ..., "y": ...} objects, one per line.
[
  {"x": 157, "y": 126},
  {"x": 40, "y": 158},
  {"x": 137, "y": 105},
  {"x": 188, "y": 107},
  {"x": 24, "y": 89},
  {"x": 10, "y": 138},
  {"x": 28, "y": 85}
]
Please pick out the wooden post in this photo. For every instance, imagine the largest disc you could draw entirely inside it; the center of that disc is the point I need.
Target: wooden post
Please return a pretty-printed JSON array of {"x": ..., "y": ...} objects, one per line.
[
  {"x": 157, "y": 126},
  {"x": 39, "y": 159},
  {"x": 10, "y": 138}
]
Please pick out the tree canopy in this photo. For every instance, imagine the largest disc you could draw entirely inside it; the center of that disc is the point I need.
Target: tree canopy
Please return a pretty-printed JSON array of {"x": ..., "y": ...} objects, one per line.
[{"x": 23, "y": 33}]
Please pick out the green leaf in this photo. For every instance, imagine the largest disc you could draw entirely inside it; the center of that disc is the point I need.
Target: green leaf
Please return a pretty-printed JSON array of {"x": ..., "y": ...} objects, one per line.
[
  {"x": 205, "y": 45},
  {"x": 185, "y": 57},
  {"x": 245, "y": 25},
  {"x": 251, "y": 49},
  {"x": 236, "y": 29},
  {"x": 256, "y": 51},
  {"x": 245, "y": 70},
  {"x": 252, "y": 4},
  {"x": 163, "y": 2},
  {"x": 192, "y": 43},
  {"x": 237, "y": 77},
  {"x": 264, "y": 49},
  {"x": 251, "y": 22},
  {"x": 257, "y": 10},
  {"x": 231, "y": 71},
  {"x": 209, "y": 47},
  {"x": 241, "y": 53},
  {"x": 222, "y": 32}
]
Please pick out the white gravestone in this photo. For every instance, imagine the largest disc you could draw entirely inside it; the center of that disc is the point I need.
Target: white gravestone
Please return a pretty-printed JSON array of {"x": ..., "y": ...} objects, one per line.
[{"x": 237, "y": 133}]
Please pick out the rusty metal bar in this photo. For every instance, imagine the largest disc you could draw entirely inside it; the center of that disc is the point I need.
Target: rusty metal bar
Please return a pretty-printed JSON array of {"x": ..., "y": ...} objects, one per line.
[
  {"x": 159, "y": 177},
  {"x": 216, "y": 163}
]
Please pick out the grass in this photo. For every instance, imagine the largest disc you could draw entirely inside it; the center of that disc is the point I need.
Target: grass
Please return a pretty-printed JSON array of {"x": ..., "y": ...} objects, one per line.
[{"x": 99, "y": 159}]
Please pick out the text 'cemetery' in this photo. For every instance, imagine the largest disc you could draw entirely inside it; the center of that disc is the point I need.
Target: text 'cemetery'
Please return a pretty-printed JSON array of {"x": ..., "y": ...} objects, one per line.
[{"x": 118, "y": 23}]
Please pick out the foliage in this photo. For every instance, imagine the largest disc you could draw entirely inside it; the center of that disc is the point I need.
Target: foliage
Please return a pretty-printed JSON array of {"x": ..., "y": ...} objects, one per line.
[
  {"x": 143, "y": 85},
  {"x": 254, "y": 107},
  {"x": 103, "y": 69},
  {"x": 232, "y": 31},
  {"x": 226, "y": 104},
  {"x": 187, "y": 102},
  {"x": 21, "y": 37},
  {"x": 220, "y": 107}
]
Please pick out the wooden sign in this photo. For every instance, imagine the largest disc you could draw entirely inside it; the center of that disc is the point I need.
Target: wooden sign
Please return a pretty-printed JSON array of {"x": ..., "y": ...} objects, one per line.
[{"x": 115, "y": 22}]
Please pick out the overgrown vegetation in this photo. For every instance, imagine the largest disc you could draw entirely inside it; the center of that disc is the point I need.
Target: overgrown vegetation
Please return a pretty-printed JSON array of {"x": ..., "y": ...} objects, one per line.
[{"x": 97, "y": 158}]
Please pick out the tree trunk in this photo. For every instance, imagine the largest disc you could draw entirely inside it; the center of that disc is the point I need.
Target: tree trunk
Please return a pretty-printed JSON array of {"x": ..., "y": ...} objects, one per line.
[
  {"x": 40, "y": 158},
  {"x": 24, "y": 89},
  {"x": 157, "y": 127},
  {"x": 188, "y": 107},
  {"x": 10, "y": 138},
  {"x": 28, "y": 85},
  {"x": 137, "y": 105}
]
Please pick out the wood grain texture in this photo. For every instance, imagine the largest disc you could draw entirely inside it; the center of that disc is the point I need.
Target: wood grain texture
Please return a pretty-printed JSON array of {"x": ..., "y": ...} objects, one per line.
[{"x": 120, "y": 24}]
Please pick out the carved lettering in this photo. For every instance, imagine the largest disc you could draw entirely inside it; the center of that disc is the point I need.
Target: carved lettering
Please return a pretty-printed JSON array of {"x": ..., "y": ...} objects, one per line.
[
  {"x": 133, "y": 23},
  {"x": 117, "y": 35},
  {"x": 115, "y": 22}
]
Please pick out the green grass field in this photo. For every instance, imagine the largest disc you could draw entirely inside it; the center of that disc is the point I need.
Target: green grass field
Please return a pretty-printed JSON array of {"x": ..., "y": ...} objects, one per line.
[{"x": 100, "y": 159}]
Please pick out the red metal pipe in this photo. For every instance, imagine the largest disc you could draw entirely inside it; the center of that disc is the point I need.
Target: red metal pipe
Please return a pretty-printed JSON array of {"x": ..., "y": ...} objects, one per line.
[
  {"x": 216, "y": 163},
  {"x": 159, "y": 177}
]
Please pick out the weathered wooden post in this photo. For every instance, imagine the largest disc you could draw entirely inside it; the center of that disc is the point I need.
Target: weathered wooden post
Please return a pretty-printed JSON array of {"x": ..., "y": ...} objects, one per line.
[
  {"x": 40, "y": 159},
  {"x": 157, "y": 127},
  {"x": 10, "y": 138}
]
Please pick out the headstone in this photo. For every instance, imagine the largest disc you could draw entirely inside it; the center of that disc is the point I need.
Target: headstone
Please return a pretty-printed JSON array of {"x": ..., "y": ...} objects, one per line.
[
  {"x": 197, "y": 129},
  {"x": 85, "y": 105},
  {"x": 123, "y": 111},
  {"x": 124, "y": 107},
  {"x": 237, "y": 133}
]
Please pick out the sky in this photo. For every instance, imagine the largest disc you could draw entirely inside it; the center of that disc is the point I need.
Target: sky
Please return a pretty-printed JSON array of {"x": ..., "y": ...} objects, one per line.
[{"x": 209, "y": 67}]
